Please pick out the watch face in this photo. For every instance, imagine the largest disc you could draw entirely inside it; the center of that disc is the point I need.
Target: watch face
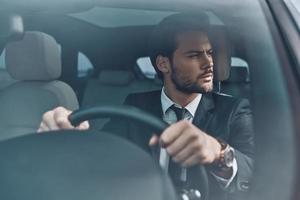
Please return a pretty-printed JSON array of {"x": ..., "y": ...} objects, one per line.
[{"x": 228, "y": 157}]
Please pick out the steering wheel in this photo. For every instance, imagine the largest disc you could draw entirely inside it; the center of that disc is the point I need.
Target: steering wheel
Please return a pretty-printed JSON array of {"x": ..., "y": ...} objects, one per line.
[{"x": 138, "y": 116}]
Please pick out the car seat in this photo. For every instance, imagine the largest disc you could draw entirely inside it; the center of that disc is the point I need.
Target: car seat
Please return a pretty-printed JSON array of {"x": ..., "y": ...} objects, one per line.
[
  {"x": 5, "y": 78},
  {"x": 238, "y": 83},
  {"x": 35, "y": 62},
  {"x": 111, "y": 88}
]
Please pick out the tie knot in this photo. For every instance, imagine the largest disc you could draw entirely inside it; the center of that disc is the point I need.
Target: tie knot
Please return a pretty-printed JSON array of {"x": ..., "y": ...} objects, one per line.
[{"x": 178, "y": 111}]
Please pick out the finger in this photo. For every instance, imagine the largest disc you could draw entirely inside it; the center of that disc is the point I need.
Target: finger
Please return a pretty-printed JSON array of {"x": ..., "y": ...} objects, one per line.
[
  {"x": 84, "y": 126},
  {"x": 186, "y": 153},
  {"x": 173, "y": 132},
  {"x": 197, "y": 156},
  {"x": 182, "y": 142},
  {"x": 42, "y": 128},
  {"x": 191, "y": 161},
  {"x": 154, "y": 140},
  {"x": 61, "y": 118},
  {"x": 48, "y": 121}
]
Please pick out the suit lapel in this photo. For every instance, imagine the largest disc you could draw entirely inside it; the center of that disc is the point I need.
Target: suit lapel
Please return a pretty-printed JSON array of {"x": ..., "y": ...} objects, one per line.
[{"x": 204, "y": 113}]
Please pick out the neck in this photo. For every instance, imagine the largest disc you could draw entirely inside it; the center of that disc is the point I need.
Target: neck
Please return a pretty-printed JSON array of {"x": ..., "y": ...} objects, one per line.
[{"x": 179, "y": 97}]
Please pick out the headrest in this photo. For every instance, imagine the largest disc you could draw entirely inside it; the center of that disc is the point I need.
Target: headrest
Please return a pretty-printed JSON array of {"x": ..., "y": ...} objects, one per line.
[
  {"x": 238, "y": 74},
  {"x": 116, "y": 77},
  {"x": 12, "y": 27},
  {"x": 36, "y": 57},
  {"x": 222, "y": 52}
]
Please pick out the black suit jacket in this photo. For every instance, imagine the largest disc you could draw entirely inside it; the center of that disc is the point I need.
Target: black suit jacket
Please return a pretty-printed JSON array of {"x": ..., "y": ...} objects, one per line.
[{"x": 218, "y": 115}]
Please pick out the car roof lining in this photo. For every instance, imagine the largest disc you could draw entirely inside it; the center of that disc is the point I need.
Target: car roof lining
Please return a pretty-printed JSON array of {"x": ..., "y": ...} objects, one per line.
[
  {"x": 75, "y": 6},
  {"x": 118, "y": 17},
  {"x": 36, "y": 20}
]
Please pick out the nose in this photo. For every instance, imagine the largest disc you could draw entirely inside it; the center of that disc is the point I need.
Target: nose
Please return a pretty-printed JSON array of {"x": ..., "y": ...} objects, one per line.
[{"x": 208, "y": 61}]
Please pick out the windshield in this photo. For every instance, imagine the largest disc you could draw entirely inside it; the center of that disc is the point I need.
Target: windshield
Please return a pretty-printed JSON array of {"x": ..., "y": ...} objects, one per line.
[{"x": 214, "y": 72}]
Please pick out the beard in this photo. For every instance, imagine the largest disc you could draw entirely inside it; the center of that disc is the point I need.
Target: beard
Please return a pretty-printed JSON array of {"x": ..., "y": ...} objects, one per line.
[{"x": 189, "y": 86}]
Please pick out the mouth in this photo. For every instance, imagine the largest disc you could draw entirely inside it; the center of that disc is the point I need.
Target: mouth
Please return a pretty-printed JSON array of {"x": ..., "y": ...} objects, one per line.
[{"x": 207, "y": 77}]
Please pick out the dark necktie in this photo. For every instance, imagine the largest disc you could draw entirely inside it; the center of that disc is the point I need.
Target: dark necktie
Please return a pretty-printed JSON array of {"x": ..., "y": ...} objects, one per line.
[
  {"x": 179, "y": 112},
  {"x": 174, "y": 168}
]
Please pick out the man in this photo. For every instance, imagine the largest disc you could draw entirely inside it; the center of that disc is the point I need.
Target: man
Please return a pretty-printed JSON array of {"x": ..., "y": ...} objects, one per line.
[{"x": 215, "y": 130}]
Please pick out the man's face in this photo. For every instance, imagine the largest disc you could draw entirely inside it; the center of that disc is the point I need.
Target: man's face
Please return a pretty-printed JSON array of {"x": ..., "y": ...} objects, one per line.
[{"x": 192, "y": 63}]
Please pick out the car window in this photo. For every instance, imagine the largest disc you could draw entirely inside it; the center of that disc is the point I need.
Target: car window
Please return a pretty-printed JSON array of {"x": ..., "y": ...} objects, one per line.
[
  {"x": 84, "y": 65},
  {"x": 239, "y": 62},
  {"x": 114, "y": 39},
  {"x": 146, "y": 67},
  {"x": 294, "y": 8},
  {"x": 296, "y": 4},
  {"x": 235, "y": 61}
]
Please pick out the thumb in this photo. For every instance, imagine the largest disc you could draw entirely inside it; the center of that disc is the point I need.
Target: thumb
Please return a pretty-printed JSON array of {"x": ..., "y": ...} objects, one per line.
[
  {"x": 84, "y": 125},
  {"x": 153, "y": 140}
]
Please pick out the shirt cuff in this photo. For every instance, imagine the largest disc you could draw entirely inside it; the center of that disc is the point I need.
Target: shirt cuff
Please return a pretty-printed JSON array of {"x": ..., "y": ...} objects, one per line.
[{"x": 224, "y": 183}]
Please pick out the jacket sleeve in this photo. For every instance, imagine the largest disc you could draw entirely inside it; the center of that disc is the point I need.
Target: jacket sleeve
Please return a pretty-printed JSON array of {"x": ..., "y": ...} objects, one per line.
[{"x": 242, "y": 140}]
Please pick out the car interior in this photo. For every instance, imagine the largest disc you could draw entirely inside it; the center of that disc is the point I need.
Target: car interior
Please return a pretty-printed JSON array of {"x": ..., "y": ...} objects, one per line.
[
  {"x": 116, "y": 78},
  {"x": 35, "y": 63},
  {"x": 88, "y": 55}
]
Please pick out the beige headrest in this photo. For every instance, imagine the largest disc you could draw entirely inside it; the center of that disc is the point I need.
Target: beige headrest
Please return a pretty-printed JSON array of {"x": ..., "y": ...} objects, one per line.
[{"x": 36, "y": 57}]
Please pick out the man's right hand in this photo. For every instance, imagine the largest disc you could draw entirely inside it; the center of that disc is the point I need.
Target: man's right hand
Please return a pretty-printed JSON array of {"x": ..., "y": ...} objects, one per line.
[{"x": 57, "y": 119}]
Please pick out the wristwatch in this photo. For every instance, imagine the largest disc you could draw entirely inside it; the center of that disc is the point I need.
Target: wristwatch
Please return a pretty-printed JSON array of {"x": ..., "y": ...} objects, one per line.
[{"x": 226, "y": 156}]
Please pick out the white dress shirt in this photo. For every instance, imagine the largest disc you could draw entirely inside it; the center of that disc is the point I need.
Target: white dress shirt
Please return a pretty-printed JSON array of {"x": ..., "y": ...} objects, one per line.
[{"x": 169, "y": 116}]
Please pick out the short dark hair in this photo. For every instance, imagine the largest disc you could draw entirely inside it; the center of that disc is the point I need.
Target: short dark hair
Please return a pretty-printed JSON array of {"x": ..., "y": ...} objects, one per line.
[{"x": 163, "y": 39}]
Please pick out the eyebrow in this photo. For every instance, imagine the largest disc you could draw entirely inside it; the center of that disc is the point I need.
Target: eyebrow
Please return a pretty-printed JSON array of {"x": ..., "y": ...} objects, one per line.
[{"x": 196, "y": 51}]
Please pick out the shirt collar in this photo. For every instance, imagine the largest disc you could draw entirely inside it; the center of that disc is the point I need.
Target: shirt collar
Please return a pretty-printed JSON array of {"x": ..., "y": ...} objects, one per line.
[{"x": 166, "y": 103}]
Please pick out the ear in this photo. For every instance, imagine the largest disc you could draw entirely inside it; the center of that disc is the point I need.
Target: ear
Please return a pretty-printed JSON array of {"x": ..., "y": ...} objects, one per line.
[{"x": 163, "y": 64}]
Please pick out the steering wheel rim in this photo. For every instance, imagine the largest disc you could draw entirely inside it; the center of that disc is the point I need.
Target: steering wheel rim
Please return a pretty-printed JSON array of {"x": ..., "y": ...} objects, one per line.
[
  {"x": 138, "y": 116},
  {"x": 128, "y": 112}
]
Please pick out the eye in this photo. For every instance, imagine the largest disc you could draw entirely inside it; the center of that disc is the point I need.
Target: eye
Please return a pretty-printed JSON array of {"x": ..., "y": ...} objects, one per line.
[
  {"x": 193, "y": 55},
  {"x": 210, "y": 52}
]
